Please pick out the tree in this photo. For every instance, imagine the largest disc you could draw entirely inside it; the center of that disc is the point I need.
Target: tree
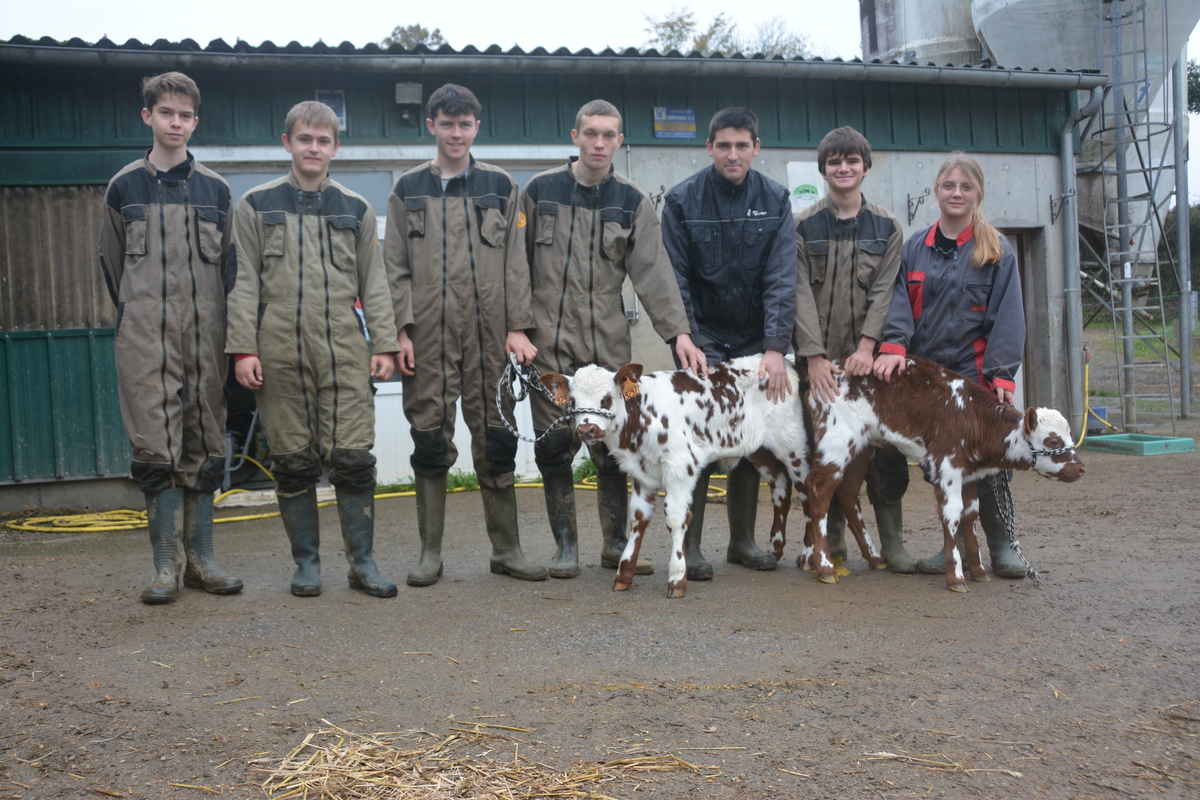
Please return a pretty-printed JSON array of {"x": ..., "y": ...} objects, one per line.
[
  {"x": 1193, "y": 87},
  {"x": 678, "y": 30},
  {"x": 1167, "y": 248},
  {"x": 409, "y": 36}
]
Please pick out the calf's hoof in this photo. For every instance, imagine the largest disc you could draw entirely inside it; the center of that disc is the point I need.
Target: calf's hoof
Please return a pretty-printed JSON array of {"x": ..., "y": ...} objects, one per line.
[
  {"x": 957, "y": 587},
  {"x": 830, "y": 578},
  {"x": 619, "y": 586},
  {"x": 674, "y": 590},
  {"x": 880, "y": 565}
]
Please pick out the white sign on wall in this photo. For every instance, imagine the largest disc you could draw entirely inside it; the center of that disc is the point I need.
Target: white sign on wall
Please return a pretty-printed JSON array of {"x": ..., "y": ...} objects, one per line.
[{"x": 805, "y": 184}]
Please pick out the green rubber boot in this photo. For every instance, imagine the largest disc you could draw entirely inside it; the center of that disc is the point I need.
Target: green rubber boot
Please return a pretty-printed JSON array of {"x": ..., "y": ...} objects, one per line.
[
  {"x": 612, "y": 502},
  {"x": 741, "y": 487},
  {"x": 559, "y": 488},
  {"x": 202, "y": 571},
  {"x": 936, "y": 564},
  {"x": 1005, "y": 562},
  {"x": 303, "y": 529},
  {"x": 500, "y": 512},
  {"x": 889, "y": 521},
  {"x": 164, "y": 514},
  {"x": 698, "y": 568},
  {"x": 356, "y": 512},
  {"x": 431, "y": 523}
]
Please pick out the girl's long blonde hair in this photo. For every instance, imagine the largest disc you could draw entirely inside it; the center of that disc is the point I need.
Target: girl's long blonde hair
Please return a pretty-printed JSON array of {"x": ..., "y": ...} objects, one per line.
[{"x": 987, "y": 238}]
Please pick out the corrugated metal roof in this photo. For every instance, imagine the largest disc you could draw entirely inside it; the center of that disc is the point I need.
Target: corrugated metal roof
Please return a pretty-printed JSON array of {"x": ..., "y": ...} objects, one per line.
[{"x": 372, "y": 57}]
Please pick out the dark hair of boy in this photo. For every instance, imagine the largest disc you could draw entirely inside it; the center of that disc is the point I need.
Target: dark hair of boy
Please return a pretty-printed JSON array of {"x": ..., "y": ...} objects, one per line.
[
  {"x": 314, "y": 114},
  {"x": 598, "y": 108},
  {"x": 742, "y": 119},
  {"x": 843, "y": 142},
  {"x": 154, "y": 87},
  {"x": 454, "y": 101}
]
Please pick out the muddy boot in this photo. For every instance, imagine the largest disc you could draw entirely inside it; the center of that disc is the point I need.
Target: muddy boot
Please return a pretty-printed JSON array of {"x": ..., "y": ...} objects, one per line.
[
  {"x": 612, "y": 501},
  {"x": 936, "y": 564},
  {"x": 698, "y": 569},
  {"x": 202, "y": 571},
  {"x": 431, "y": 523},
  {"x": 559, "y": 488},
  {"x": 164, "y": 514},
  {"x": 889, "y": 521},
  {"x": 835, "y": 534},
  {"x": 741, "y": 487},
  {"x": 303, "y": 529},
  {"x": 356, "y": 512},
  {"x": 500, "y": 512},
  {"x": 1005, "y": 561}
]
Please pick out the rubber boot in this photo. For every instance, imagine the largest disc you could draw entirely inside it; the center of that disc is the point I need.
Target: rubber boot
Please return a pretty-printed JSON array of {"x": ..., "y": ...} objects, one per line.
[
  {"x": 741, "y": 487},
  {"x": 559, "y": 488},
  {"x": 698, "y": 568},
  {"x": 1005, "y": 562},
  {"x": 431, "y": 523},
  {"x": 936, "y": 564},
  {"x": 889, "y": 521},
  {"x": 356, "y": 512},
  {"x": 303, "y": 529},
  {"x": 164, "y": 514},
  {"x": 500, "y": 512},
  {"x": 202, "y": 571},
  {"x": 612, "y": 501},
  {"x": 835, "y": 535}
]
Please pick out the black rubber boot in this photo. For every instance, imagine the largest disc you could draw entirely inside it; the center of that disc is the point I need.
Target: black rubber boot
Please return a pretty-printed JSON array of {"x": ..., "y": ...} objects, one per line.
[
  {"x": 936, "y": 564},
  {"x": 889, "y": 520},
  {"x": 1005, "y": 562},
  {"x": 431, "y": 523},
  {"x": 356, "y": 512},
  {"x": 698, "y": 568},
  {"x": 202, "y": 571},
  {"x": 164, "y": 514},
  {"x": 500, "y": 512},
  {"x": 303, "y": 529},
  {"x": 612, "y": 502},
  {"x": 559, "y": 488},
  {"x": 741, "y": 488},
  {"x": 835, "y": 534}
]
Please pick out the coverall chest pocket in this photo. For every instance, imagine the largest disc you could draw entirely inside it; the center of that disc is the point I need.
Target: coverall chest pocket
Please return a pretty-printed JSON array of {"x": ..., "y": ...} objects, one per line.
[
  {"x": 704, "y": 255},
  {"x": 414, "y": 217},
  {"x": 870, "y": 258},
  {"x": 818, "y": 260},
  {"x": 618, "y": 224},
  {"x": 547, "y": 217},
  {"x": 209, "y": 224},
  {"x": 343, "y": 241},
  {"x": 134, "y": 218},
  {"x": 916, "y": 293},
  {"x": 493, "y": 227},
  {"x": 975, "y": 298},
  {"x": 274, "y": 233}
]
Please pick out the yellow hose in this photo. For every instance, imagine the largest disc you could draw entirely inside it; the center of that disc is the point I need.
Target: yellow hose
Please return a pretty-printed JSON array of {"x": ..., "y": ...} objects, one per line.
[
  {"x": 128, "y": 519},
  {"x": 1087, "y": 403}
]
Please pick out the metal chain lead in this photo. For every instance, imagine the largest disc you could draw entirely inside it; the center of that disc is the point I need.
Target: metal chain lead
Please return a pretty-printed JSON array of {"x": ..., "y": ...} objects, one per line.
[
  {"x": 523, "y": 378},
  {"x": 1004, "y": 504}
]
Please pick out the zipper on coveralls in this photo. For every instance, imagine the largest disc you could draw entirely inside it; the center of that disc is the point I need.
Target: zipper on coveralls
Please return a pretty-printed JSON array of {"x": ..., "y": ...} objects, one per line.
[
  {"x": 592, "y": 272},
  {"x": 831, "y": 280},
  {"x": 189, "y": 213},
  {"x": 162, "y": 330},
  {"x": 478, "y": 307},
  {"x": 562, "y": 299},
  {"x": 322, "y": 232},
  {"x": 308, "y": 420}
]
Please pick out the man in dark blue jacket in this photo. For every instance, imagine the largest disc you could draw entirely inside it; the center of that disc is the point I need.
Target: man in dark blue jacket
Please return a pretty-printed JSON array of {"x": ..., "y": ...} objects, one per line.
[{"x": 729, "y": 234}]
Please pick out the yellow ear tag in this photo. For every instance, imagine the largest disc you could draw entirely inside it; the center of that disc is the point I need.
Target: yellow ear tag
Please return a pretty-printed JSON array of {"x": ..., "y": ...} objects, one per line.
[
  {"x": 630, "y": 389},
  {"x": 561, "y": 396}
]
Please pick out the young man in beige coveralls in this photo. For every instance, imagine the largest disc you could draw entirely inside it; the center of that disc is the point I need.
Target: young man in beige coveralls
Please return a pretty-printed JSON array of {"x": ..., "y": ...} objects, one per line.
[
  {"x": 587, "y": 228},
  {"x": 848, "y": 255},
  {"x": 460, "y": 286},
  {"x": 165, "y": 250},
  {"x": 307, "y": 248}
]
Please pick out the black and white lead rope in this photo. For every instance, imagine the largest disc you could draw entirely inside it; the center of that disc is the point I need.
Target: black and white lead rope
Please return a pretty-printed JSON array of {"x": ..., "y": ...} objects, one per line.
[
  {"x": 522, "y": 378},
  {"x": 1004, "y": 504}
]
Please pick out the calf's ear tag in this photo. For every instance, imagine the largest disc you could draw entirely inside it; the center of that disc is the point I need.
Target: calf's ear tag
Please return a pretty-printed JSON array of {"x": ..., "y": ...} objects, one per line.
[
  {"x": 630, "y": 389},
  {"x": 561, "y": 396}
]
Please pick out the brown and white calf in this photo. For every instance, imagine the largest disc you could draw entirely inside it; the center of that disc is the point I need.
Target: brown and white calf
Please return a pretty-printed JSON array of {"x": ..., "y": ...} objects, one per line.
[
  {"x": 664, "y": 428},
  {"x": 954, "y": 428}
]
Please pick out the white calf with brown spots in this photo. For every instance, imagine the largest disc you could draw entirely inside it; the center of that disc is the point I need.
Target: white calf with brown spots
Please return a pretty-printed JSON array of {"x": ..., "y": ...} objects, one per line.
[{"x": 665, "y": 427}]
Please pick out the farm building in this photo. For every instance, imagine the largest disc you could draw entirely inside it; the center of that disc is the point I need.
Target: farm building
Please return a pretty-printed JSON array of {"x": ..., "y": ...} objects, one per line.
[{"x": 72, "y": 120}]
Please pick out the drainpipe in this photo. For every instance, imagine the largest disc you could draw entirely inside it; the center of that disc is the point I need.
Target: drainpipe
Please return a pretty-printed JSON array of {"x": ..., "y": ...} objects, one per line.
[
  {"x": 1071, "y": 290},
  {"x": 1183, "y": 253}
]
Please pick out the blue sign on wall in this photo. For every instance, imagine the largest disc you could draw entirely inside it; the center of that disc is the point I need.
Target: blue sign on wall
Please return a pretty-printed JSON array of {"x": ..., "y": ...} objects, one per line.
[{"x": 674, "y": 123}]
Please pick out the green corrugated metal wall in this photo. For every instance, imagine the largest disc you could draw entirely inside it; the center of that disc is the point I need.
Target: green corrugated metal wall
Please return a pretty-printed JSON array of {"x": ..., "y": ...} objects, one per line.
[
  {"x": 59, "y": 415},
  {"x": 64, "y": 125}
]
